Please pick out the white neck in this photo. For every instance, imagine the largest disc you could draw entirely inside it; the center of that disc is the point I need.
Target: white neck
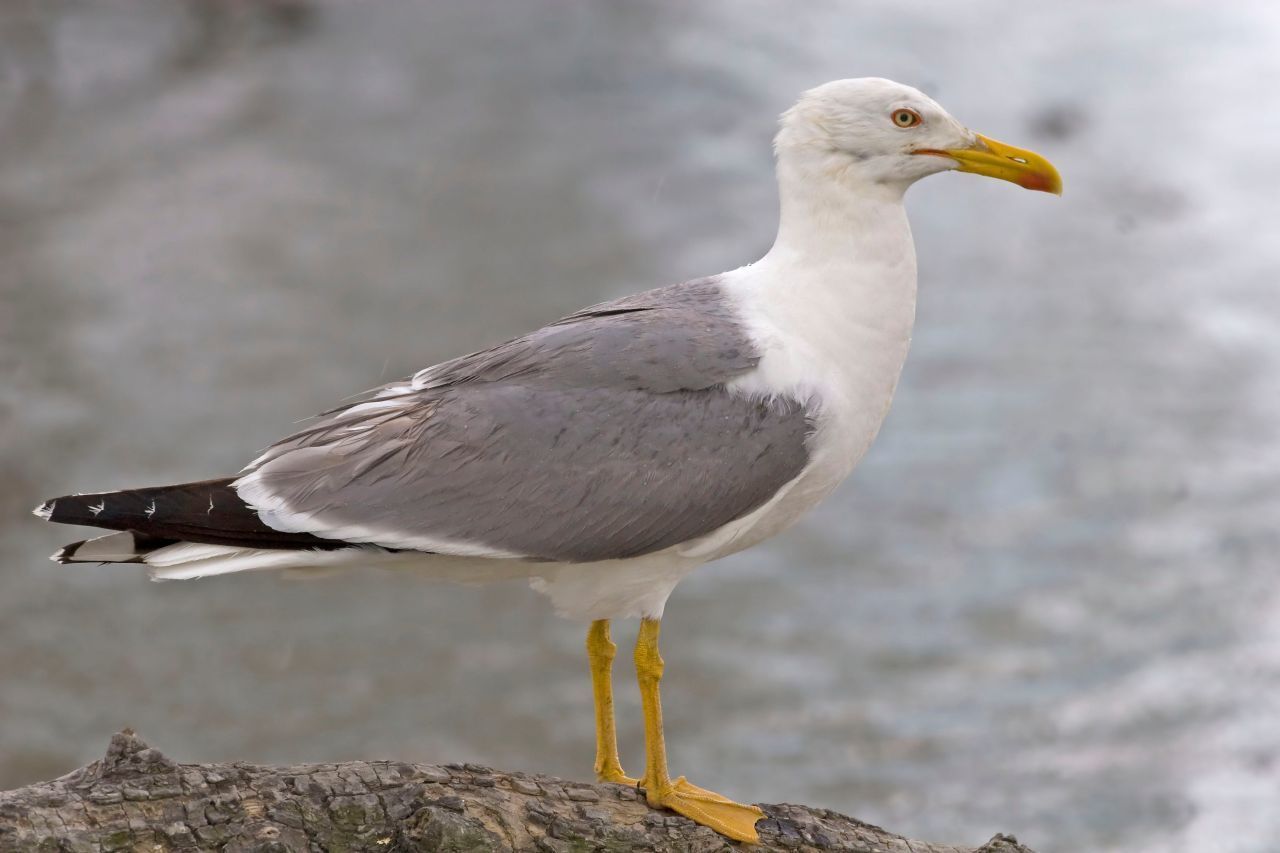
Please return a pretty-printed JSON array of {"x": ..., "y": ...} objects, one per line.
[
  {"x": 832, "y": 304},
  {"x": 840, "y": 279},
  {"x": 829, "y": 214}
]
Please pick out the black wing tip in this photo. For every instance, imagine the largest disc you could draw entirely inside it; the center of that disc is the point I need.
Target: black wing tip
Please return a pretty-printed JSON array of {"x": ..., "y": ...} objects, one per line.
[
  {"x": 72, "y": 509},
  {"x": 208, "y": 511},
  {"x": 82, "y": 509},
  {"x": 66, "y": 554}
]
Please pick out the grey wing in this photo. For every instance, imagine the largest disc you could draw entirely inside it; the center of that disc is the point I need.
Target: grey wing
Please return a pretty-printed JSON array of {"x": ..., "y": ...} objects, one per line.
[{"x": 607, "y": 435}]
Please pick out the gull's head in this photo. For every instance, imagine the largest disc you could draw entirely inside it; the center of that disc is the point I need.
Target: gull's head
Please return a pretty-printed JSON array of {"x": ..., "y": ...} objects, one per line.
[{"x": 875, "y": 131}]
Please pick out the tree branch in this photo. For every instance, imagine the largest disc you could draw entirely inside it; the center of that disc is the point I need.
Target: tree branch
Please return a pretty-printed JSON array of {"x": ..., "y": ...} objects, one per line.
[{"x": 137, "y": 799}]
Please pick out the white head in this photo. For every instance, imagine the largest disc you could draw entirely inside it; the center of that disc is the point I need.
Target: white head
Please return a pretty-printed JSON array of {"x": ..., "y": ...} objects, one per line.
[{"x": 874, "y": 132}]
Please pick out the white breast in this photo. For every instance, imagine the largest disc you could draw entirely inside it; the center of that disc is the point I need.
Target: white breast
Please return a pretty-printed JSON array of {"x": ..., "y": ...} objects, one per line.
[{"x": 834, "y": 334}]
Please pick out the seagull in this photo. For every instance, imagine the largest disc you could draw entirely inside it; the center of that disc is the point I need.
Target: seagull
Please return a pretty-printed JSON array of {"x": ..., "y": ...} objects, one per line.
[{"x": 607, "y": 455}]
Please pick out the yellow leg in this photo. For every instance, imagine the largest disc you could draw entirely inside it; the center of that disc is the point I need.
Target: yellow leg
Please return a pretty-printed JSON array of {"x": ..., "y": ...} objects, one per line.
[
  {"x": 726, "y": 817},
  {"x": 601, "y": 651}
]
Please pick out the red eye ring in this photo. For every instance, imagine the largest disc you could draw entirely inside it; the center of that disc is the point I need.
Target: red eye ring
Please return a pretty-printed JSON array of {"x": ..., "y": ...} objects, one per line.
[{"x": 905, "y": 118}]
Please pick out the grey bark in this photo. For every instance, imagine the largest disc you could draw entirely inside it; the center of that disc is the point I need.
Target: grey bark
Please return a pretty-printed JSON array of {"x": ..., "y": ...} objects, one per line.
[{"x": 137, "y": 799}]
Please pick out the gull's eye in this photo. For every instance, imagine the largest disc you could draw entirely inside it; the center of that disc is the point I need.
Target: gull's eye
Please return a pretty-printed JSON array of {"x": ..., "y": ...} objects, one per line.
[{"x": 906, "y": 118}]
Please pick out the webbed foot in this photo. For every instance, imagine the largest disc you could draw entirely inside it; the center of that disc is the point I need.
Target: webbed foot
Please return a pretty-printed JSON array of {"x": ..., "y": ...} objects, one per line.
[{"x": 730, "y": 819}]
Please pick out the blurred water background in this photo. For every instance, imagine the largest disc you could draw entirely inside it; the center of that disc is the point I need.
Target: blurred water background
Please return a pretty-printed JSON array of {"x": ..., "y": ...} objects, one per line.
[{"x": 1048, "y": 601}]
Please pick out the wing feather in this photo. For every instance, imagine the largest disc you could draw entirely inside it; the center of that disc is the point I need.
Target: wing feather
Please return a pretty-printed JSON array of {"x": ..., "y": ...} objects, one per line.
[{"x": 608, "y": 434}]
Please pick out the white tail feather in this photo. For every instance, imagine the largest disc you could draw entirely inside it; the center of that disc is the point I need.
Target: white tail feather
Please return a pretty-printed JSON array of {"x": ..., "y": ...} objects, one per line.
[
  {"x": 191, "y": 552},
  {"x": 187, "y": 560}
]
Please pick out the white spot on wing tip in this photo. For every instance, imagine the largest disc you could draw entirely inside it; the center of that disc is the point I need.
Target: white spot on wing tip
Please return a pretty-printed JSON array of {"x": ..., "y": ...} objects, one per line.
[
  {"x": 45, "y": 510},
  {"x": 98, "y": 507}
]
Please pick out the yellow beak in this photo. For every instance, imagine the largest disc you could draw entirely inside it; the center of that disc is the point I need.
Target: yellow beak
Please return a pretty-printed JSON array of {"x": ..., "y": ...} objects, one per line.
[{"x": 994, "y": 159}]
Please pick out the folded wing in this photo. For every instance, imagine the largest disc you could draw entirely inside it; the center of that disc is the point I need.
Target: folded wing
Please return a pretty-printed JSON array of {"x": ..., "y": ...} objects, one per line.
[{"x": 609, "y": 434}]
